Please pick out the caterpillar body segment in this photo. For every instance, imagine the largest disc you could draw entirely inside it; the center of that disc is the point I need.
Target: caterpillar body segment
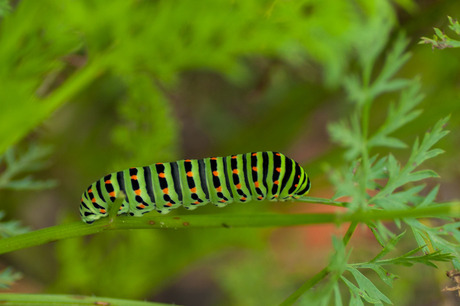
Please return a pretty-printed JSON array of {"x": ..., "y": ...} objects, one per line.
[{"x": 196, "y": 182}]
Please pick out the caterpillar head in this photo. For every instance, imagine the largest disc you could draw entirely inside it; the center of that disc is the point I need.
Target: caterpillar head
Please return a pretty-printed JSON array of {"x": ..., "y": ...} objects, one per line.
[{"x": 304, "y": 186}]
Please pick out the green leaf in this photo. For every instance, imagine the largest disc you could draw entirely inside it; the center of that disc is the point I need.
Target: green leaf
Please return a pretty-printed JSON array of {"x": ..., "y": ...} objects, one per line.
[
  {"x": 28, "y": 183},
  {"x": 337, "y": 295},
  {"x": 430, "y": 238},
  {"x": 35, "y": 158},
  {"x": 358, "y": 293},
  {"x": 420, "y": 153},
  {"x": 398, "y": 116},
  {"x": 441, "y": 40},
  {"x": 380, "y": 231},
  {"x": 8, "y": 277},
  {"x": 386, "y": 141},
  {"x": 408, "y": 260},
  {"x": 355, "y": 299},
  {"x": 11, "y": 228},
  {"x": 411, "y": 195},
  {"x": 454, "y": 25},
  {"x": 393, "y": 63},
  {"x": 365, "y": 284},
  {"x": 347, "y": 134},
  {"x": 384, "y": 275},
  {"x": 389, "y": 246},
  {"x": 439, "y": 32}
]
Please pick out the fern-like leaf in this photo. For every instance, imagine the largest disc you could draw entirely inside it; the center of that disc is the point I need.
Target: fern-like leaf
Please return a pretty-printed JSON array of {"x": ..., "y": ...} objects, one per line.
[
  {"x": 17, "y": 165},
  {"x": 8, "y": 277},
  {"x": 11, "y": 228}
]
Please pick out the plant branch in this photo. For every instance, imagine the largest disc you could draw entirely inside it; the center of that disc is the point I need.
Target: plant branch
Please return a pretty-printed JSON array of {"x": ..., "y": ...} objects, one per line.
[
  {"x": 322, "y": 201},
  {"x": 320, "y": 275},
  {"x": 61, "y": 299},
  {"x": 156, "y": 221},
  {"x": 306, "y": 286}
]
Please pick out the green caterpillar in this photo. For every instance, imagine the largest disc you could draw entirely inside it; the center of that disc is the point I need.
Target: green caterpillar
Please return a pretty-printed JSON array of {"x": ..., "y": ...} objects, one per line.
[{"x": 196, "y": 182}]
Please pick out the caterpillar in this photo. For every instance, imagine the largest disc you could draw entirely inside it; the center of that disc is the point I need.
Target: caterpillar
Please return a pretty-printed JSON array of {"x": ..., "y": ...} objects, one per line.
[{"x": 195, "y": 182}]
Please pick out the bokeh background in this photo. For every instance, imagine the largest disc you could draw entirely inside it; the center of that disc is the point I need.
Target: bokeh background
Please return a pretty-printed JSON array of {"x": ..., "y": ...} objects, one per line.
[{"x": 112, "y": 84}]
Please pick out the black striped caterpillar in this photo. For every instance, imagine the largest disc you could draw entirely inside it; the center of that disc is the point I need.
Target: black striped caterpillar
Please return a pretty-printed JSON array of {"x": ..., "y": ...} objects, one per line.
[{"x": 195, "y": 182}]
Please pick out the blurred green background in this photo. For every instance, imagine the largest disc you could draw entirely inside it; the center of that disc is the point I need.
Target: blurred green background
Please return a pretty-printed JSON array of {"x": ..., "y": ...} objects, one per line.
[{"x": 109, "y": 85}]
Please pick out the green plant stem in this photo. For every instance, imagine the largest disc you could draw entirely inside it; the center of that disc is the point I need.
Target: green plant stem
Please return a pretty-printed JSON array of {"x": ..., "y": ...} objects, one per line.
[
  {"x": 318, "y": 276},
  {"x": 322, "y": 201},
  {"x": 61, "y": 299},
  {"x": 349, "y": 233},
  {"x": 305, "y": 287},
  {"x": 76, "y": 83},
  {"x": 156, "y": 221}
]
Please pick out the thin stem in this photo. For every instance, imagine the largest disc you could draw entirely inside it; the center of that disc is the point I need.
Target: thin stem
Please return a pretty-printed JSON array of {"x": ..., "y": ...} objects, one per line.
[
  {"x": 318, "y": 276},
  {"x": 305, "y": 287},
  {"x": 349, "y": 233},
  {"x": 156, "y": 221},
  {"x": 61, "y": 299},
  {"x": 364, "y": 144},
  {"x": 323, "y": 201}
]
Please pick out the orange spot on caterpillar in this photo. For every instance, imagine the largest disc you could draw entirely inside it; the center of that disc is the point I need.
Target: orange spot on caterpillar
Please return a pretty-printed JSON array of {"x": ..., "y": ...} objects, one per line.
[
  {"x": 219, "y": 189},
  {"x": 93, "y": 200},
  {"x": 275, "y": 196},
  {"x": 298, "y": 176},
  {"x": 134, "y": 177},
  {"x": 254, "y": 154},
  {"x": 141, "y": 206},
  {"x": 256, "y": 184},
  {"x": 276, "y": 182},
  {"x": 215, "y": 173},
  {"x": 187, "y": 160},
  {"x": 166, "y": 191},
  {"x": 222, "y": 201},
  {"x": 108, "y": 182},
  {"x": 138, "y": 191},
  {"x": 238, "y": 186},
  {"x": 190, "y": 174},
  {"x": 161, "y": 174},
  {"x": 213, "y": 158},
  {"x": 243, "y": 199},
  {"x": 112, "y": 194},
  {"x": 120, "y": 208},
  {"x": 193, "y": 189},
  {"x": 234, "y": 156},
  {"x": 91, "y": 190},
  {"x": 278, "y": 169},
  {"x": 260, "y": 198},
  {"x": 277, "y": 154},
  {"x": 254, "y": 168},
  {"x": 169, "y": 204},
  {"x": 159, "y": 164},
  {"x": 235, "y": 171},
  {"x": 296, "y": 185},
  {"x": 103, "y": 211},
  {"x": 196, "y": 202}
]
